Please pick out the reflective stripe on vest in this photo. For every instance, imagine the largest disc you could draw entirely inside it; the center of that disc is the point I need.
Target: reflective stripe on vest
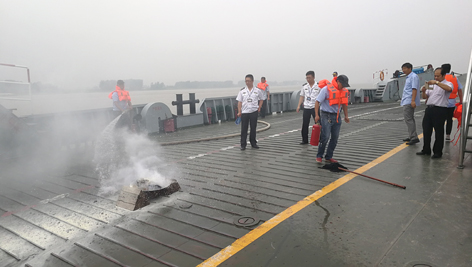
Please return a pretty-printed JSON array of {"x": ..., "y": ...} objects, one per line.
[
  {"x": 262, "y": 86},
  {"x": 453, "y": 80}
]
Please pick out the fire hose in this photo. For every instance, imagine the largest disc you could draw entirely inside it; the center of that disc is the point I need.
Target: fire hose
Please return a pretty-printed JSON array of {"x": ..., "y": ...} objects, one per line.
[{"x": 397, "y": 185}]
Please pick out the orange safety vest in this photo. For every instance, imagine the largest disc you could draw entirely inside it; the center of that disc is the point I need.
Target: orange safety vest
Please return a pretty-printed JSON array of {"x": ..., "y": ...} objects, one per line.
[
  {"x": 334, "y": 80},
  {"x": 323, "y": 83},
  {"x": 453, "y": 80},
  {"x": 336, "y": 96},
  {"x": 122, "y": 94},
  {"x": 262, "y": 86}
]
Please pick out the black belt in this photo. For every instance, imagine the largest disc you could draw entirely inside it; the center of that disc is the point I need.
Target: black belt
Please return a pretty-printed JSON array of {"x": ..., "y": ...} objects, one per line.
[
  {"x": 434, "y": 106},
  {"x": 329, "y": 112}
]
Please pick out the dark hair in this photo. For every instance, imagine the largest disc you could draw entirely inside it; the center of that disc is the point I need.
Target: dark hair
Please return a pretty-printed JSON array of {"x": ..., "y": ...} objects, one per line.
[
  {"x": 250, "y": 77},
  {"x": 443, "y": 71},
  {"x": 263, "y": 78},
  {"x": 407, "y": 65},
  {"x": 446, "y": 67},
  {"x": 120, "y": 82},
  {"x": 312, "y": 73}
]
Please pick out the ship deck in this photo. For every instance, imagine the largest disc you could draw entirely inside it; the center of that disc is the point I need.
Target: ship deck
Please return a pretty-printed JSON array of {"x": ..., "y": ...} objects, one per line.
[{"x": 271, "y": 206}]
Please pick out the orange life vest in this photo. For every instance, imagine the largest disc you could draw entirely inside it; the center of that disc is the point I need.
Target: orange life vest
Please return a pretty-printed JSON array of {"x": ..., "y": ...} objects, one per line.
[
  {"x": 336, "y": 96},
  {"x": 122, "y": 94},
  {"x": 334, "y": 80},
  {"x": 262, "y": 86},
  {"x": 323, "y": 83},
  {"x": 458, "y": 116},
  {"x": 453, "y": 80}
]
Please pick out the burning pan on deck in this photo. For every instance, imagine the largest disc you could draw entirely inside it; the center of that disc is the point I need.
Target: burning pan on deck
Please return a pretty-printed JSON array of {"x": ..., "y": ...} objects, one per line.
[{"x": 138, "y": 195}]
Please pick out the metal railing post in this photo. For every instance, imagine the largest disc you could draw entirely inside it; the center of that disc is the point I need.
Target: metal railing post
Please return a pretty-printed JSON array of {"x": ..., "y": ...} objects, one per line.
[{"x": 464, "y": 131}]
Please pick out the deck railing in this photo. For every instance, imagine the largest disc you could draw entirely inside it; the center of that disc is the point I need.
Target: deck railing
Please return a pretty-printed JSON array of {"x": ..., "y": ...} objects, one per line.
[{"x": 464, "y": 131}]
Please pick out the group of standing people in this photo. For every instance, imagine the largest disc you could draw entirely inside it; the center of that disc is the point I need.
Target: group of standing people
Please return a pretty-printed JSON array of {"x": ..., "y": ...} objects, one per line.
[
  {"x": 440, "y": 95},
  {"x": 323, "y": 101}
]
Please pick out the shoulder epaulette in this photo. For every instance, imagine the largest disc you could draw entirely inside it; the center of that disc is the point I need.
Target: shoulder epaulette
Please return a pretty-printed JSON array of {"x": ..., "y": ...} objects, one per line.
[
  {"x": 304, "y": 84},
  {"x": 242, "y": 89}
]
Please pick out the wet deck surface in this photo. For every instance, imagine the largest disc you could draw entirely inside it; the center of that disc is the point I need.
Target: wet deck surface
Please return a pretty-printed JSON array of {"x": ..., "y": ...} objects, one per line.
[{"x": 53, "y": 215}]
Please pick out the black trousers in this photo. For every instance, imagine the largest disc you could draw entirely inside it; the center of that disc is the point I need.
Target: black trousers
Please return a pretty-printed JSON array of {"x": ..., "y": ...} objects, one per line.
[
  {"x": 246, "y": 120},
  {"x": 434, "y": 118},
  {"x": 450, "y": 114},
  {"x": 307, "y": 114},
  {"x": 264, "y": 109}
]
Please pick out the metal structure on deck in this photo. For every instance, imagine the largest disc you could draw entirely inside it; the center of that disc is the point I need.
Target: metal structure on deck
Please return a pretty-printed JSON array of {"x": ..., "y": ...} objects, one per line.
[
  {"x": 466, "y": 112},
  {"x": 225, "y": 108},
  {"x": 393, "y": 90},
  {"x": 180, "y": 103},
  {"x": 17, "y": 83}
]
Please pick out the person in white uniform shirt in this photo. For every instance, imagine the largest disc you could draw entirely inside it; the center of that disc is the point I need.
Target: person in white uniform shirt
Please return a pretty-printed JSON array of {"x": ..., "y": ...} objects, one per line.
[
  {"x": 250, "y": 101},
  {"x": 308, "y": 94},
  {"x": 435, "y": 114}
]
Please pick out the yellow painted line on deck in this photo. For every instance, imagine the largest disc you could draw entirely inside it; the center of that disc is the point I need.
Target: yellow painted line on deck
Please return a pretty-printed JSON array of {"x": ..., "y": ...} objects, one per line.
[{"x": 250, "y": 237}]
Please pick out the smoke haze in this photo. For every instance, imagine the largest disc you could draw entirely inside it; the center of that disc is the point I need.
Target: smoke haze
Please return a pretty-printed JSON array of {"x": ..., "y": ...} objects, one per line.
[{"x": 122, "y": 158}]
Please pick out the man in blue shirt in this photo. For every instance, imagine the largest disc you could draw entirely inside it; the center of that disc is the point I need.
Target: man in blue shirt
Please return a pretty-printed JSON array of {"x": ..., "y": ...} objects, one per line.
[
  {"x": 330, "y": 119},
  {"x": 410, "y": 100}
]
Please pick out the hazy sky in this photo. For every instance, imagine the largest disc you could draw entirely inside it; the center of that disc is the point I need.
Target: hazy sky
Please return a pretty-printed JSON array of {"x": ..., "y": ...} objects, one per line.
[{"x": 78, "y": 43}]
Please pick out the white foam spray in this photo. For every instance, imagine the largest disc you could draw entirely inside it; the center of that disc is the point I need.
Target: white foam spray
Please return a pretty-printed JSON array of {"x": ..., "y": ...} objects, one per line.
[{"x": 122, "y": 158}]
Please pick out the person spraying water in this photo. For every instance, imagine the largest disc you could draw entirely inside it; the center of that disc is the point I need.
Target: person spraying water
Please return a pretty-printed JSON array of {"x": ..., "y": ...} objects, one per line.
[
  {"x": 121, "y": 99},
  {"x": 122, "y": 105}
]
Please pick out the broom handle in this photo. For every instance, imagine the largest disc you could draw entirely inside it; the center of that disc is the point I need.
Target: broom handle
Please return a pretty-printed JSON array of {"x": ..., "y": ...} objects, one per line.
[{"x": 397, "y": 185}]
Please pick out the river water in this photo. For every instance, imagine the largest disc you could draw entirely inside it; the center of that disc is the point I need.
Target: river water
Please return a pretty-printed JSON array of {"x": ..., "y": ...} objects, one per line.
[{"x": 46, "y": 103}]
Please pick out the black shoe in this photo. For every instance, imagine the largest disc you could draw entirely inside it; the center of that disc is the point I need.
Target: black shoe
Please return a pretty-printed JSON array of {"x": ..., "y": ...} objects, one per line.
[
  {"x": 412, "y": 142},
  {"x": 406, "y": 140},
  {"x": 422, "y": 153},
  {"x": 255, "y": 146},
  {"x": 436, "y": 156},
  {"x": 243, "y": 148},
  {"x": 304, "y": 143}
]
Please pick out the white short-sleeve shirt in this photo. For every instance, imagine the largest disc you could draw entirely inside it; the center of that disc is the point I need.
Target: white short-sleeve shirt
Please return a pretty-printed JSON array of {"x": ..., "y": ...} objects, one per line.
[
  {"x": 249, "y": 99},
  {"x": 438, "y": 96},
  {"x": 310, "y": 94}
]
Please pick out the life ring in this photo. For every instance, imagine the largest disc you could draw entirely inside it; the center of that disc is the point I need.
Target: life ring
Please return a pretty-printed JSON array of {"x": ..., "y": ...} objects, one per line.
[{"x": 382, "y": 76}]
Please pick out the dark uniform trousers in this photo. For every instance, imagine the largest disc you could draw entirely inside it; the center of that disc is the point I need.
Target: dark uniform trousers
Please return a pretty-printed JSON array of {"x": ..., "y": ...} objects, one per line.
[
  {"x": 450, "y": 115},
  {"x": 264, "y": 109},
  {"x": 246, "y": 120},
  {"x": 434, "y": 118},
  {"x": 307, "y": 114}
]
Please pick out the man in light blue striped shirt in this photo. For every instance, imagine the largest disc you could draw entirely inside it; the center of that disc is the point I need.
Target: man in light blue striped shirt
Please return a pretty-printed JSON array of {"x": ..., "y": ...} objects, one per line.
[{"x": 410, "y": 100}]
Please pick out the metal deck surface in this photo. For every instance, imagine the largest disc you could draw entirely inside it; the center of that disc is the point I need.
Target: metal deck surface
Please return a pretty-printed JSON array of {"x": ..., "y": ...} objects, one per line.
[{"x": 53, "y": 216}]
